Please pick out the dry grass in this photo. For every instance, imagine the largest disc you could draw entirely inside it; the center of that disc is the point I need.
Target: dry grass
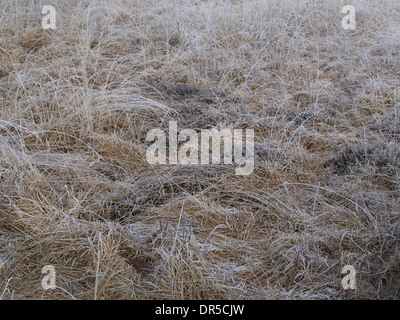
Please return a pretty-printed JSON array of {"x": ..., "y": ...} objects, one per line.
[{"x": 76, "y": 190}]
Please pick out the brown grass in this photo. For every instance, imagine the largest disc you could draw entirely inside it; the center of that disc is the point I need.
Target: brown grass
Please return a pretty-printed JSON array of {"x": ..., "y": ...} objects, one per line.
[{"x": 76, "y": 190}]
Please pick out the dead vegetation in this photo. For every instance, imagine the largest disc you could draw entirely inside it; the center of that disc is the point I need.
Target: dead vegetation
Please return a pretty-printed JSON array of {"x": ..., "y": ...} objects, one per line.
[{"x": 76, "y": 190}]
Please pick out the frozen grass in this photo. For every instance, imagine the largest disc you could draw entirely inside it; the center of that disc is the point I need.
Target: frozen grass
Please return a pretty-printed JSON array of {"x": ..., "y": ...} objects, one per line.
[{"x": 77, "y": 193}]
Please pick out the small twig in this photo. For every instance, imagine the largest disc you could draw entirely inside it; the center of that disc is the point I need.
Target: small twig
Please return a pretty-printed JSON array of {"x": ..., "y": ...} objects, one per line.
[
  {"x": 395, "y": 112},
  {"x": 183, "y": 226},
  {"x": 169, "y": 213},
  {"x": 159, "y": 217},
  {"x": 190, "y": 227},
  {"x": 315, "y": 204},
  {"x": 97, "y": 268}
]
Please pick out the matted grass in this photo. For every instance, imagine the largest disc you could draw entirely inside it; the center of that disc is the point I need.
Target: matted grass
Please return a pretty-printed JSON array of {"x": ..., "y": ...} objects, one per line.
[{"x": 76, "y": 190}]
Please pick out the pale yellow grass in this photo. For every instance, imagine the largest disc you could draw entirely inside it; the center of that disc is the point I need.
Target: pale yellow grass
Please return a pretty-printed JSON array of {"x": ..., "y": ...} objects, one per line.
[{"x": 76, "y": 190}]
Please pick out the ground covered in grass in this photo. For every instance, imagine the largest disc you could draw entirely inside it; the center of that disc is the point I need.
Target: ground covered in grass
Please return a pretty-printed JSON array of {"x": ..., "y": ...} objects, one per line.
[{"x": 77, "y": 192}]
